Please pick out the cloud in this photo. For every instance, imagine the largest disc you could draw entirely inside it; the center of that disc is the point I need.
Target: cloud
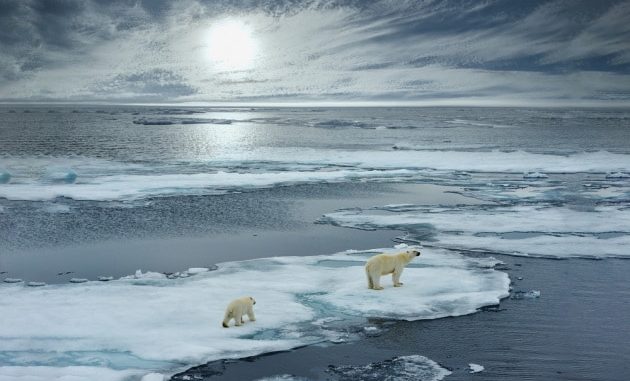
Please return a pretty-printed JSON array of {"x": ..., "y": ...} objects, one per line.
[{"x": 542, "y": 52}]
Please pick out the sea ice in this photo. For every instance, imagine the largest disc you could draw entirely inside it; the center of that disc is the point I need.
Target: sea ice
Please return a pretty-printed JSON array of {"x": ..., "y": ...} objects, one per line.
[
  {"x": 475, "y": 368},
  {"x": 147, "y": 323},
  {"x": 529, "y": 230},
  {"x": 403, "y": 368},
  {"x": 12, "y": 280},
  {"x": 535, "y": 175}
]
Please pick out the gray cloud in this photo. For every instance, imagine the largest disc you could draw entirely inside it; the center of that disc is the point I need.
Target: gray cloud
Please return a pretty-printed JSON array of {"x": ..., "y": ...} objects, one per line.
[{"x": 134, "y": 50}]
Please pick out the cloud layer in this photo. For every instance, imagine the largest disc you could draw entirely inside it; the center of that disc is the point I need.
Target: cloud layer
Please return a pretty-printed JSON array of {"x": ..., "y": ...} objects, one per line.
[{"x": 433, "y": 52}]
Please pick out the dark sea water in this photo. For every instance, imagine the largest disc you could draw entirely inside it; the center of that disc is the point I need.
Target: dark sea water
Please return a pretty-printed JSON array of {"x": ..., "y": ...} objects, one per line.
[{"x": 92, "y": 191}]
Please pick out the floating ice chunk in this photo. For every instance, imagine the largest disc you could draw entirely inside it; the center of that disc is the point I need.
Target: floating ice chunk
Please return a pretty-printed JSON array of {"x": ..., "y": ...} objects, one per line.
[
  {"x": 36, "y": 284},
  {"x": 401, "y": 246},
  {"x": 535, "y": 175},
  {"x": 167, "y": 122},
  {"x": 185, "y": 315},
  {"x": 153, "y": 122},
  {"x": 105, "y": 278},
  {"x": 66, "y": 176},
  {"x": 78, "y": 280},
  {"x": 403, "y": 368},
  {"x": 197, "y": 270},
  {"x": 153, "y": 377},
  {"x": 532, "y": 294},
  {"x": 618, "y": 175},
  {"x": 12, "y": 280},
  {"x": 475, "y": 368}
]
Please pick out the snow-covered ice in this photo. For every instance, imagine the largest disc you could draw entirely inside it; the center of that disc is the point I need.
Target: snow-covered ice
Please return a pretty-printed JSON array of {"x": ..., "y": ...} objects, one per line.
[
  {"x": 475, "y": 368},
  {"x": 79, "y": 178},
  {"x": 148, "y": 323},
  {"x": 528, "y": 230}
]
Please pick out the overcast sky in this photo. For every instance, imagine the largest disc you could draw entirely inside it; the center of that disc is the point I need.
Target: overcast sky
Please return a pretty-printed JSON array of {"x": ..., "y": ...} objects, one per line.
[{"x": 395, "y": 51}]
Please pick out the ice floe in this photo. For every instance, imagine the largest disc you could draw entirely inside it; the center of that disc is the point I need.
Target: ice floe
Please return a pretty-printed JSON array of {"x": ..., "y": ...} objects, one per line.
[
  {"x": 147, "y": 323},
  {"x": 170, "y": 121},
  {"x": 403, "y": 368},
  {"x": 531, "y": 294},
  {"x": 475, "y": 368},
  {"x": 35, "y": 179},
  {"x": 531, "y": 230}
]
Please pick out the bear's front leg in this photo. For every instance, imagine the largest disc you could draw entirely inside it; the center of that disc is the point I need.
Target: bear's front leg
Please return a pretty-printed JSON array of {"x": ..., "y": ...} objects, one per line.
[
  {"x": 396, "y": 278},
  {"x": 250, "y": 314}
]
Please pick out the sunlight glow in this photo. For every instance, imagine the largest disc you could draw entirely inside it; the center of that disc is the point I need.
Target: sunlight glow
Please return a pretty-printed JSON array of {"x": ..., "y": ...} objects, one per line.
[{"x": 231, "y": 45}]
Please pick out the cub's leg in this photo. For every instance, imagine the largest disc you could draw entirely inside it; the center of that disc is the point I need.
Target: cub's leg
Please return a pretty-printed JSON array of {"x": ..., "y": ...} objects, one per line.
[
  {"x": 226, "y": 319},
  {"x": 250, "y": 313},
  {"x": 238, "y": 316}
]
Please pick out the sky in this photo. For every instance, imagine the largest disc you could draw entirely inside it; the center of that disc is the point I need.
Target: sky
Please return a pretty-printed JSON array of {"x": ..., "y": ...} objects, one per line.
[{"x": 495, "y": 52}]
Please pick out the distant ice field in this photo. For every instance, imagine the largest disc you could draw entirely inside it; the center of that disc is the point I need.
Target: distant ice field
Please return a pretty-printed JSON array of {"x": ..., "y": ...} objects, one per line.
[
  {"x": 150, "y": 323},
  {"x": 47, "y": 178},
  {"x": 541, "y": 230},
  {"x": 115, "y": 153}
]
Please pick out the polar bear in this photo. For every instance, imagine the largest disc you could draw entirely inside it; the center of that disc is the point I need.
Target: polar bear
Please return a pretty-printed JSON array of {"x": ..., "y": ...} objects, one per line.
[
  {"x": 237, "y": 308},
  {"x": 383, "y": 264}
]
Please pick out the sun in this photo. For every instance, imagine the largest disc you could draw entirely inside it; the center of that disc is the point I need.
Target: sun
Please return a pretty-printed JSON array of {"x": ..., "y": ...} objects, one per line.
[{"x": 231, "y": 45}]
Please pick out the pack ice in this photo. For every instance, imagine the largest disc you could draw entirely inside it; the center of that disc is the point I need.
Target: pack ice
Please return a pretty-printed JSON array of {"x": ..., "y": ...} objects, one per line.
[
  {"x": 526, "y": 230},
  {"x": 147, "y": 323}
]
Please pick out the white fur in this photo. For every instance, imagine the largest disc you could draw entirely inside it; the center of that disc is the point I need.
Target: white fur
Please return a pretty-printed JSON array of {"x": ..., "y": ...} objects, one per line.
[
  {"x": 383, "y": 264},
  {"x": 237, "y": 308}
]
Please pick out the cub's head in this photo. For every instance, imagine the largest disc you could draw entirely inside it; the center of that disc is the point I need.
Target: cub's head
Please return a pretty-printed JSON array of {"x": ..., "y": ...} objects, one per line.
[{"x": 252, "y": 299}]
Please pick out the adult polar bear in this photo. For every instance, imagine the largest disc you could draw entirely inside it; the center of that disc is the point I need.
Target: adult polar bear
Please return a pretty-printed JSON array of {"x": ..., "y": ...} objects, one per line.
[
  {"x": 383, "y": 264},
  {"x": 237, "y": 308}
]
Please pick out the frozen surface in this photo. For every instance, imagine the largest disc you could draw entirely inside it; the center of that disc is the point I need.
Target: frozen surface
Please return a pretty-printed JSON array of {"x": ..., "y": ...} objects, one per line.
[
  {"x": 148, "y": 323},
  {"x": 403, "y": 368},
  {"x": 533, "y": 230},
  {"x": 475, "y": 368},
  {"x": 80, "y": 178}
]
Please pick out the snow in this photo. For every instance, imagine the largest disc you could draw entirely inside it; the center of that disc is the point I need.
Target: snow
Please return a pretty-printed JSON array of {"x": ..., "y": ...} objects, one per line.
[
  {"x": 148, "y": 323},
  {"x": 475, "y": 368}
]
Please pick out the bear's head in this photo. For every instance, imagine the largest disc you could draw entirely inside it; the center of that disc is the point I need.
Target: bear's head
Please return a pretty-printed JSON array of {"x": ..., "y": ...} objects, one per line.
[
  {"x": 413, "y": 253},
  {"x": 252, "y": 299}
]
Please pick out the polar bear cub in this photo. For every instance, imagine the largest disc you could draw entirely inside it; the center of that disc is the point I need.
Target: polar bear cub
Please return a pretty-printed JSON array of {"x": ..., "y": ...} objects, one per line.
[
  {"x": 237, "y": 308},
  {"x": 383, "y": 264}
]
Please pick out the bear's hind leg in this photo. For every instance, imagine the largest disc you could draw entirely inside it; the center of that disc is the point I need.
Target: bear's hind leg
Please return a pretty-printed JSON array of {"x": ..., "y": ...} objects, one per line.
[
  {"x": 238, "y": 316},
  {"x": 376, "y": 281}
]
